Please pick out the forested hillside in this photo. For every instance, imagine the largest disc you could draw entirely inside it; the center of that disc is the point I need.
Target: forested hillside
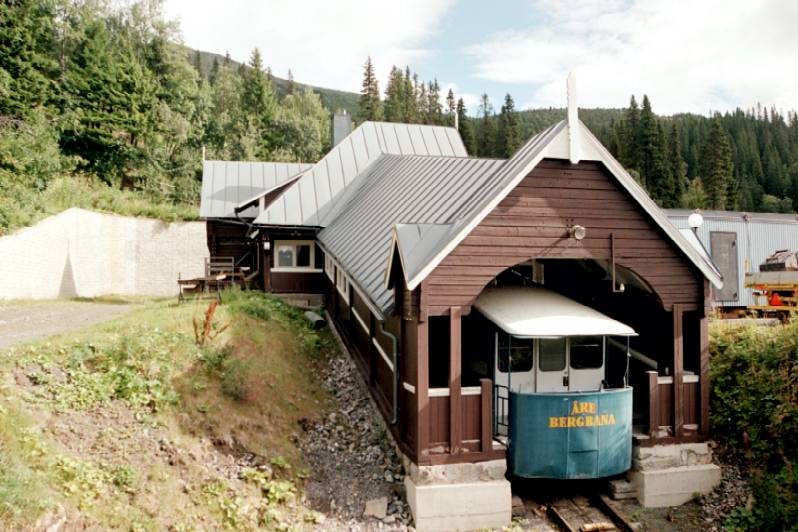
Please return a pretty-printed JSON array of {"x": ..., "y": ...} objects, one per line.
[
  {"x": 102, "y": 107},
  {"x": 97, "y": 97}
]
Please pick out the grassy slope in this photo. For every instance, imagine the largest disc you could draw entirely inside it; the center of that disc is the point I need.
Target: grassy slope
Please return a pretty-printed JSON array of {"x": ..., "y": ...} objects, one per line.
[
  {"x": 22, "y": 207},
  {"x": 131, "y": 425}
]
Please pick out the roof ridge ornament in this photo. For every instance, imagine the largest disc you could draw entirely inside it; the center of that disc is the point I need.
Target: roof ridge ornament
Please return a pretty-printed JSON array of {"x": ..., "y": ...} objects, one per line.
[{"x": 572, "y": 119}]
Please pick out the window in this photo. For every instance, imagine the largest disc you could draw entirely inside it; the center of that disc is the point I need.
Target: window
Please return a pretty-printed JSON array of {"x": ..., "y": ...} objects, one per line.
[
  {"x": 329, "y": 267},
  {"x": 342, "y": 282},
  {"x": 518, "y": 350},
  {"x": 552, "y": 354},
  {"x": 294, "y": 255},
  {"x": 587, "y": 352}
]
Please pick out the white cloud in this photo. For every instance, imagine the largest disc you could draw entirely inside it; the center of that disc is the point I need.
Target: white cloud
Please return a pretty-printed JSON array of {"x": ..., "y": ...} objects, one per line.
[
  {"x": 323, "y": 42},
  {"x": 687, "y": 55}
]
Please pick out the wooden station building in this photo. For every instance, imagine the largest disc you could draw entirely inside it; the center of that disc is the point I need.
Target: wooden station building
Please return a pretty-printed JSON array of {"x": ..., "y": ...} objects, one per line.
[{"x": 404, "y": 234}]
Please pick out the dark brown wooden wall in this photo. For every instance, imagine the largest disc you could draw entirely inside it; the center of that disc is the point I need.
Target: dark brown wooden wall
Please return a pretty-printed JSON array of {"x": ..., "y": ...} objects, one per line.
[{"x": 533, "y": 221}]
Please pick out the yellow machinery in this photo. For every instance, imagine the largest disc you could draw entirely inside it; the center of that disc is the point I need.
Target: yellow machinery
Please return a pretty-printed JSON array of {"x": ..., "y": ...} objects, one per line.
[{"x": 775, "y": 285}]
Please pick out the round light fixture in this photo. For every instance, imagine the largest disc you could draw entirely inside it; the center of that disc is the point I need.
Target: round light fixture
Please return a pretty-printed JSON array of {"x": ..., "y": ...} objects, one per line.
[
  {"x": 578, "y": 232},
  {"x": 695, "y": 220}
]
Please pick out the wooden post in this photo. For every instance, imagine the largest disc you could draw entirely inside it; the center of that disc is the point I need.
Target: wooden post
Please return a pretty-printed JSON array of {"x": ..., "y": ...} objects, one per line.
[
  {"x": 703, "y": 378},
  {"x": 653, "y": 403},
  {"x": 486, "y": 415},
  {"x": 422, "y": 391},
  {"x": 455, "y": 371},
  {"x": 266, "y": 262},
  {"x": 678, "y": 371}
]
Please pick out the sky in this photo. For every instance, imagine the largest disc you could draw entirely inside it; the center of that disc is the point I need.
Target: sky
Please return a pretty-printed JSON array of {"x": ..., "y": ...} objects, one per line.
[{"x": 695, "y": 56}]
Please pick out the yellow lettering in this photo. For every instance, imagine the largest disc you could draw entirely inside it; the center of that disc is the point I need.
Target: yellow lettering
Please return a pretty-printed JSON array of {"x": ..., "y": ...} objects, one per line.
[
  {"x": 589, "y": 421},
  {"x": 575, "y": 408},
  {"x": 612, "y": 419},
  {"x": 605, "y": 419},
  {"x": 552, "y": 422},
  {"x": 592, "y": 408},
  {"x": 580, "y": 421},
  {"x": 571, "y": 422},
  {"x": 563, "y": 422}
]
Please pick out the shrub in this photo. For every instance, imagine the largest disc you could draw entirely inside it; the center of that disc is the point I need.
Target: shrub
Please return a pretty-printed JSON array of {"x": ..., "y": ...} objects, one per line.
[{"x": 754, "y": 375}]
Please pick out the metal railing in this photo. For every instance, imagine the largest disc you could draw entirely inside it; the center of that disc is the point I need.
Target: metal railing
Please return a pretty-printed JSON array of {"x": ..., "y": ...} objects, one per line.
[{"x": 501, "y": 410}]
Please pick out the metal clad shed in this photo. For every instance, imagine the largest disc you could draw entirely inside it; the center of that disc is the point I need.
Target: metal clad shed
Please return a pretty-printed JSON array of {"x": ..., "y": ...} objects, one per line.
[{"x": 758, "y": 235}]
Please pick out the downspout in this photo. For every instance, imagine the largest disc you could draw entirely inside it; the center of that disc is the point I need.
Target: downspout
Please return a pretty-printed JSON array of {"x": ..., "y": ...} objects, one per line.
[{"x": 395, "y": 358}]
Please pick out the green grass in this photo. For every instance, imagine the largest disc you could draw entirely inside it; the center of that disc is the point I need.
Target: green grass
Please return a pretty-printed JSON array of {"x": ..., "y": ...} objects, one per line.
[
  {"x": 22, "y": 206},
  {"x": 250, "y": 387}
]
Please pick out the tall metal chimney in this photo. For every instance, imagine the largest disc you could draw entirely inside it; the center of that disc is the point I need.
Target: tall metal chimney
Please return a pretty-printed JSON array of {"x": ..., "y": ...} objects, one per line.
[{"x": 341, "y": 126}]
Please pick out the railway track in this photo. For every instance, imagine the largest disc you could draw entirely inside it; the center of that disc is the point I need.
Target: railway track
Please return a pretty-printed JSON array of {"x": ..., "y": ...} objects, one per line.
[{"x": 588, "y": 514}]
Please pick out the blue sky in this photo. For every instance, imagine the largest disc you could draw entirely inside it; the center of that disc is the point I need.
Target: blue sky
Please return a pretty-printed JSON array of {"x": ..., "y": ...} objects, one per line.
[{"x": 687, "y": 55}]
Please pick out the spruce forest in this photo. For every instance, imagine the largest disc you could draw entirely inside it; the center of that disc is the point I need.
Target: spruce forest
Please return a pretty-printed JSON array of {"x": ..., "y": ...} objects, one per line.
[{"x": 101, "y": 106}]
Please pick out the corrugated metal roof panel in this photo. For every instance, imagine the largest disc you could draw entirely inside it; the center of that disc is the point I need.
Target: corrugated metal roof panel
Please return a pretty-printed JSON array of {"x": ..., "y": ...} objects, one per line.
[
  {"x": 399, "y": 190},
  {"x": 759, "y": 235},
  {"x": 320, "y": 190},
  {"x": 226, "y": 184}
]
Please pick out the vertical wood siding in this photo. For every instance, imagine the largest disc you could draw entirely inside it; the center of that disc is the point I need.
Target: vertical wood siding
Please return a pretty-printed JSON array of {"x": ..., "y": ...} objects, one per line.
[{"x": 533, "y": 221}]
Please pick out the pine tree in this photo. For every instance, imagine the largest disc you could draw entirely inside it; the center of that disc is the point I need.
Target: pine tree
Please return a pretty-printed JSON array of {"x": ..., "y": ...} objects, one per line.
[
  {"x": 647, "y": 144},
  {"x": 677, "y": 164},
  {"x": 214, "y": 70},
  {"x": 114, "y": 97},
  {"x": 466, "y": 128},
  {"x": 434, "y": 107},
  {"x": 394, "y": 96},
  {"x": 631, "y": 139},
  {"x": 26, "y": 65},
  {"x": 663, "y": 186},
  {"x": 198, "y": 62},
  {"x": 370, "y": 104},
  {"x": 509, "y": 133},
  {"x": 410, "y": 112},
  {"x": 486, "y": 130},
  {"x": 451, "y": 107},
  {"x": 258, "y": 100},
  {"x": 717, "y": 168}
]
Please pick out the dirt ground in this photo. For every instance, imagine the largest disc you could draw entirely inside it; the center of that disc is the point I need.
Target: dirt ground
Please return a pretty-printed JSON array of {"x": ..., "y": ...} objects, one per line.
[{"x": 31, "y": 321}]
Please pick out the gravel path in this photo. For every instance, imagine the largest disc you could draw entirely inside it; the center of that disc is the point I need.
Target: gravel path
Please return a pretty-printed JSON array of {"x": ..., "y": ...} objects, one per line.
[
  {"x": 32, "y": 321},
  {"x": 352, "y": 460}
]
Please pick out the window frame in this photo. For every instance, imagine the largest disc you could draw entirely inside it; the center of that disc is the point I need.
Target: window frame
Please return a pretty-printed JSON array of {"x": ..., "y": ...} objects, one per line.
[
  {"x": 294, "y": 268},
  {"x": 342, "y": 282},
  {"x": 329, "y": 267}
]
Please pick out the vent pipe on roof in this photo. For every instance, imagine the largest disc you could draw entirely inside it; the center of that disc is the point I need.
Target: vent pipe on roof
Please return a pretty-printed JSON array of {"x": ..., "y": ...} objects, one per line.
[
  {"x": 573, "y": 120},
  {"x": 456, "y": 121},
  {"x": 341, "y": 126}
]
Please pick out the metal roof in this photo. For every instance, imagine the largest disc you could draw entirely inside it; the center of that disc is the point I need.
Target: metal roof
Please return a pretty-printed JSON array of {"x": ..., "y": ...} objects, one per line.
[
  {"x": 427, "y": 192},
  {"x": 533, "y": 312},
  {"x": 317, "y": 196},
  {"x": 227, "y": 184}
]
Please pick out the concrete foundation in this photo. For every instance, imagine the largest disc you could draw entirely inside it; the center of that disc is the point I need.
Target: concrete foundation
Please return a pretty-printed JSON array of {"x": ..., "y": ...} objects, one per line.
[
  {"x": 670, "y": 475},
  {"x": 459, "y": 496}
]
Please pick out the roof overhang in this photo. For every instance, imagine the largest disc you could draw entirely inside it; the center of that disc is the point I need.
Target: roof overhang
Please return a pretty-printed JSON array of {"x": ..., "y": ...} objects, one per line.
[{"x": 531, "y": 311}]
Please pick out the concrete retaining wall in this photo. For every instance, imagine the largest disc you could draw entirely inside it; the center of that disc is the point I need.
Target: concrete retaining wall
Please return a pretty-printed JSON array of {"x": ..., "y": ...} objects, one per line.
[{"x": 80, "y": 253}]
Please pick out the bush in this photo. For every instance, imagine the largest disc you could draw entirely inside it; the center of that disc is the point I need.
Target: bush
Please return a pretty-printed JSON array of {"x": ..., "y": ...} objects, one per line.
[{"x": 754, "y": 375}]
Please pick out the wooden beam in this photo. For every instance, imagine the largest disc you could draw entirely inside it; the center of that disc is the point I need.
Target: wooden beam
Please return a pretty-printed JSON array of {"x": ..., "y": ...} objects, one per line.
[
  {"x": 455, "y": 371},
  {"x": 678, "y": 370},
  {"x": 422, "y": 391},
  {"x": 486, "y": 415},
  {"x": 653, "y": 403}
]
